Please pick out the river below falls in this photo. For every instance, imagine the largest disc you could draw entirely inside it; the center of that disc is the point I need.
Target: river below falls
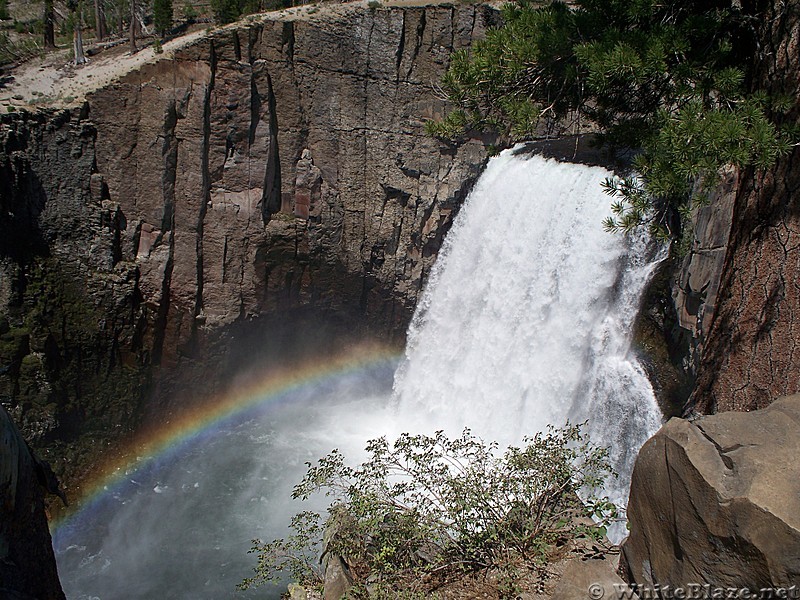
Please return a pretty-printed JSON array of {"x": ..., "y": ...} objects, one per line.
[{"x": 526, "y": 320}]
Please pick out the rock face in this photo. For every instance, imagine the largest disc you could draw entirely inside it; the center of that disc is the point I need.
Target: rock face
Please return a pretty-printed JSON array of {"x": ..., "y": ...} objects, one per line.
[
  {"x": 71, "y": 316},
  {"x": 751, "y": 354},
  {"x": 717, "y": 501},
  {"x": 275, "y": 166},
  {"x": 284, "y": 164},
  {"x": 697, "y": 282},
  {"x": 27, "y": 562}
]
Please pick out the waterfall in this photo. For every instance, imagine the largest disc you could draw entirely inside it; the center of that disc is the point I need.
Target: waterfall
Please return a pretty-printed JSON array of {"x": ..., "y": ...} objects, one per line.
[
  {"x": 525, "y": 321},
  {"x": 527, "y": 317}
]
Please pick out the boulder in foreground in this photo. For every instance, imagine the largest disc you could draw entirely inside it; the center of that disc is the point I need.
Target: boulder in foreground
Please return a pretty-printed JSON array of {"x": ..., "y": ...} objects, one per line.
[{"x": 717, "y": 501}]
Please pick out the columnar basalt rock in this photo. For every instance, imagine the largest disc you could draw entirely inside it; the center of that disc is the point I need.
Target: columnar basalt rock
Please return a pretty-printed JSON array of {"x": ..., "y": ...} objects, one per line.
[
  {"x": 303, "y": 134},
  {"x": 27, "y": 563},
  {"x": 274, "y": 165}
]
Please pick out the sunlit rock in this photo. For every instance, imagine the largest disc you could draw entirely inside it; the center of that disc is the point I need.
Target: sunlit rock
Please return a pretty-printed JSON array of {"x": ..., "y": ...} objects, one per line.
[{"x": 717, "y": 501}]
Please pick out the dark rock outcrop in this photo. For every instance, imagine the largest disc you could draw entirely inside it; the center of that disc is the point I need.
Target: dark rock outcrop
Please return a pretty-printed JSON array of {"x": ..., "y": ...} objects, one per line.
[
  {"x": 697, "y": 282},
  {"x": 27, "y": 563},
  {"x": 750, "y": 353},
  {"x": 70, "y": 308},
  {"x": 717, "y": 501}
]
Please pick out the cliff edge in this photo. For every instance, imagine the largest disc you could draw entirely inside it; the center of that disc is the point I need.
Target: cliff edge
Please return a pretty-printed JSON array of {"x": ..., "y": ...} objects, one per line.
[{"x": 266, "y": 174}]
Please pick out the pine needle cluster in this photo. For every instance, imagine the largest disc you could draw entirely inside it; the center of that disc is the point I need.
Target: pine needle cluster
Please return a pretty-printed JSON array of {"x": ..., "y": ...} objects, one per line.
[{"x": 665, "y": 79}]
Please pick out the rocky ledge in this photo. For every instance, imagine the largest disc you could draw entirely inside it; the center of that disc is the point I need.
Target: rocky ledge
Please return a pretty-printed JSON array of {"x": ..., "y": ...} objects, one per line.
[
  {"x": 27, "y": 563},
  {"x": 717, "y": 501}
]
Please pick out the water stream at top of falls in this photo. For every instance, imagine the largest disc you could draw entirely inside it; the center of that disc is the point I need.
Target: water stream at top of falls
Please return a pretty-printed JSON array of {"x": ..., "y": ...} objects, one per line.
[{"x": 525, "y": 321}]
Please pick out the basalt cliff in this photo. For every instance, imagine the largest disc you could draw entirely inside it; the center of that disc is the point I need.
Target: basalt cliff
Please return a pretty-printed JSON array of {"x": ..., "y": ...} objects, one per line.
[
  {"x": 274, "y": 168},
  {"x": 273, "y": 181}
]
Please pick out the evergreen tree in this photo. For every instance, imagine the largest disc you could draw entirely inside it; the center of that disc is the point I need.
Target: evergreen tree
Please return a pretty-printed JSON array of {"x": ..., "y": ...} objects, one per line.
[
  {"x": 664, "y": 78},
  {"x": 162, "y": 16},
  {"x": 49, "y": 24},
  {"x": 226, "y": 11}
]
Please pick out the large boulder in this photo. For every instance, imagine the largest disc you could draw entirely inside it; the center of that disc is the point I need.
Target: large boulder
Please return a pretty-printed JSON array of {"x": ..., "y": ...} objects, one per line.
[
  {"x": 717, "y": 501},
  {"x": 27, "y": 562}
]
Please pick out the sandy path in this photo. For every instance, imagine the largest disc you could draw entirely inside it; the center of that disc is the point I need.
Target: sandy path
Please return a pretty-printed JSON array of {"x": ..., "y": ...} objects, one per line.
[{"x": 55, "y": 82}]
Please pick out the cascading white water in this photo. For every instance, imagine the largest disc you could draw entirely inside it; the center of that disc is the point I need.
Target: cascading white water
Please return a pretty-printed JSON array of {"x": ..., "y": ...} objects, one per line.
[{"x": 526, "y": 321}]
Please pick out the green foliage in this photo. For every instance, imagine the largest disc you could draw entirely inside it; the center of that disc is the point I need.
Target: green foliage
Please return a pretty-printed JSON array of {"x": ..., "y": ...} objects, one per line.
[
  {"x": 666, "y": 79},
  {"x": 12, "y": 51},
  {"x": 189, "y": 12},
  {"x": 297, "y": 555},
  {"x": 431, "y": 504},
  {"x": 4, "y": 14},
  {"x": 162, "y": 15},
  {"x": 226, "y": 11}
]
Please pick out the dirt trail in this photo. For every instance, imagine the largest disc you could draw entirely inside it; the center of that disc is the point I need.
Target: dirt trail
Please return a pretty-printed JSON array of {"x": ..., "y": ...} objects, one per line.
[{"x": 53, "y": 81}]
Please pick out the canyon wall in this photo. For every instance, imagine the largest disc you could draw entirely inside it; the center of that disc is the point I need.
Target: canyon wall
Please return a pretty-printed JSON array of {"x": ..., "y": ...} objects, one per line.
[
  {"x": 750, "y": 354},
  {"x": 284, "y": 163},
  {"x": 274, "y": 168}
]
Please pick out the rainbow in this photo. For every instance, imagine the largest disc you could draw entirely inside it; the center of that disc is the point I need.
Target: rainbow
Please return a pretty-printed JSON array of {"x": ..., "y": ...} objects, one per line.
[{"x": 165, "y": 441}]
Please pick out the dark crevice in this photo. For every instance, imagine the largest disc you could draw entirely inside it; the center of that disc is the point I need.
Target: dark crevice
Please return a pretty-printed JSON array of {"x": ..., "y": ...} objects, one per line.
[
  {"x": 169, "y": 152},
  {"x": 255, "y": 109},
  {"x": 417, "y": 43},
  {"x": 287, "y": 40},
  {"x": 205, "y": 179},
  {"x": 729, "y": 464},
  {"x": 400, "y": 46},
  {"x": 271, "y": 196},
  {"x": 237, "y": 46}
]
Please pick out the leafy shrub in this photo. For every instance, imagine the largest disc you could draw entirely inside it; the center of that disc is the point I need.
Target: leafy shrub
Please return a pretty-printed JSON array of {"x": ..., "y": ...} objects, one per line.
[{"x": 433, "y": 505}]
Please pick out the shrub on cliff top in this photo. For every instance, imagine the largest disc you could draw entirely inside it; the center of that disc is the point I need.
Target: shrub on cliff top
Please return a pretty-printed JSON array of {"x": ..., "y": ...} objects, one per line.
[
  {"x": 428, "y": 505},
  {"x": 666, "y": 79}
]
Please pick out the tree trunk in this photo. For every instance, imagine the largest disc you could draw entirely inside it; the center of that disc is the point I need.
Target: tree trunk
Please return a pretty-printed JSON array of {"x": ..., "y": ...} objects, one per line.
[
  {"x": 77, "y": 39},
  {"x": 133, "y": 25},
  {"x": 100, "y": 20},
  {"x": 49, "y": 25}
]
